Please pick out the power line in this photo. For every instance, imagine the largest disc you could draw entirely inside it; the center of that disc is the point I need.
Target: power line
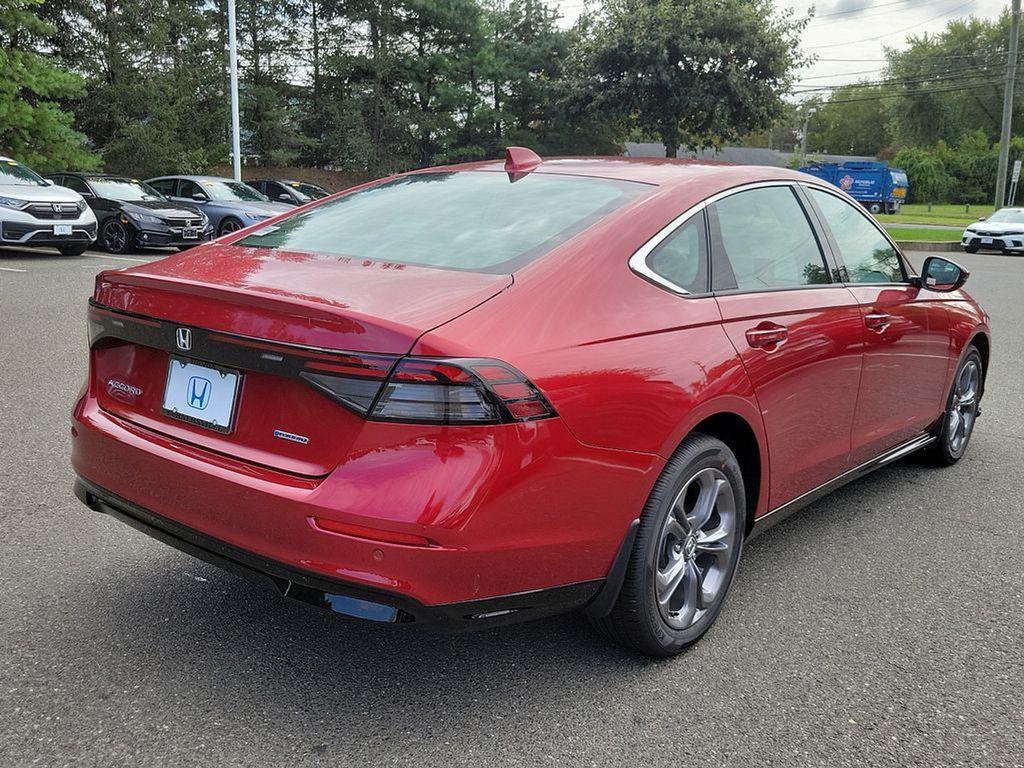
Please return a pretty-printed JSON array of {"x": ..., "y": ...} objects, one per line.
[
  {"x": 920, "y": 92},
  {"x": 869, "y": 6},
  {"x": 945, "y": 14}
]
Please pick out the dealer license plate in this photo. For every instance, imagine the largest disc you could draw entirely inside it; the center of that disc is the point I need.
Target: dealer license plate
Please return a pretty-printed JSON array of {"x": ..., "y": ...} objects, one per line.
[{"x": 200, "y": 394}]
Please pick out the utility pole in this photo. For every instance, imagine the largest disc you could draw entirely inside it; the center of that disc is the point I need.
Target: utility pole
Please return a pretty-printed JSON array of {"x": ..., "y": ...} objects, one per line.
[
  {"x": 236, "y": 142},
  {"x": 1004, "y": 138}
]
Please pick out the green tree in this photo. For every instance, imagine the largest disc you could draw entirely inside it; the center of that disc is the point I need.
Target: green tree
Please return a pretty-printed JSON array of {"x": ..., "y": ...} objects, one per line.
[
  {"x": 33, "y": 126},
  {"x": 950, "y": 83},
  {"x": 691, "y": 73},
  {"x": 929, "y": 181},
  {"x": 854, "y": 120}
]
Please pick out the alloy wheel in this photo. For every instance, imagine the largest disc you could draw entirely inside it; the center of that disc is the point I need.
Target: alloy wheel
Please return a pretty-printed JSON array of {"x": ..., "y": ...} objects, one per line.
[
  {"x": 964, "y": 409},
  {"x": 694, "y": 553},
  {"x": 115, "y": 237},
  {"x": 229, "y": 225}
]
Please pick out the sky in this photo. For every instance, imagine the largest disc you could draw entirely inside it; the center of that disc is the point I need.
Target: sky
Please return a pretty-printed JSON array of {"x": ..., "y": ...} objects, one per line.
[{"x": 858, "y": 30}]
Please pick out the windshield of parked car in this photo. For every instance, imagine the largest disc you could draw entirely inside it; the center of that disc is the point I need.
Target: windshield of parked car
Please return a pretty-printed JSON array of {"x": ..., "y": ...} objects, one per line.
[
  {"x": 478, "y": 221},
  {"x": 232, "y": 190},
  {"x": 14, "y": 173},
  {"x": 126, "y": 190},
  {"x": 1008, "y": 216},
  {"x": 310, "y": 191}
]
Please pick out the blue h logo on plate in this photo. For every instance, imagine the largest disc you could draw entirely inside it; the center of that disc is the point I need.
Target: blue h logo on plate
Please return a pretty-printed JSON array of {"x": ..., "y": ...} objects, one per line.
[{"x": 198, "y": 392}]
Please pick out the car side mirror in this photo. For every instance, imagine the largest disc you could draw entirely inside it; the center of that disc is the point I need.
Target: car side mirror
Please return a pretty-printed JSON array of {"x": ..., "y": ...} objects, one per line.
[
  {"x": 199, "y": 197},
  {"x": 943, "y": 275},
  {"x": 284, "y": 197},
  {"x": 47, "y": 182},
  {"x": 981, "y": 218}
]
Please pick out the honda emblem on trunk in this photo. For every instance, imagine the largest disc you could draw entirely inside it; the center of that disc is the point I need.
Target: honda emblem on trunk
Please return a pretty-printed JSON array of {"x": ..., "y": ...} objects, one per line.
[{"x": 184, "y": 338}]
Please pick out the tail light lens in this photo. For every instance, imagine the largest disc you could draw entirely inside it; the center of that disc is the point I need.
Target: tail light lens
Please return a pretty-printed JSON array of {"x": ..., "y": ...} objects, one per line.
[{"x": 430, "y": 391}]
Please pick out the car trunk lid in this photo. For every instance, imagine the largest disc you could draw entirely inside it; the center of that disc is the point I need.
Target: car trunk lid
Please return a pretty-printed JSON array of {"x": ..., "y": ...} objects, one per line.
[{"x": 266, "y": 315}]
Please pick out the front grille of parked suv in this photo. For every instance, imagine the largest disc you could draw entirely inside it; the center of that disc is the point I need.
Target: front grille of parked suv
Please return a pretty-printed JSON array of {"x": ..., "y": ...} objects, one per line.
[{"x": 55, "y": 211}]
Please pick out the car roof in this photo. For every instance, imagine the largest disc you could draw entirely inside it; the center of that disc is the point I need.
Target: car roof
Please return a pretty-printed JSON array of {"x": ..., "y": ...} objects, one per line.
[
  {"x": 88, "y": 175},
  {"x": 193, "y": 178},
  {"x": 658, "y": 171}
]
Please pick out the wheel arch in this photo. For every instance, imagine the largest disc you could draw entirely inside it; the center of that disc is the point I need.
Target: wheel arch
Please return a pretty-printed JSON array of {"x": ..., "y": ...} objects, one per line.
[
  {"x": 734, "y": 430},
  {"x": 981, "y": 340}
]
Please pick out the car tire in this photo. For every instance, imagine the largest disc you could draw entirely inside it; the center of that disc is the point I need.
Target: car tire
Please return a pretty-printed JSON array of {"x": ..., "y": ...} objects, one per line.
[
  {"x": 962, "y": 410},
  {"x": 116, "y": 237},
  {"x": 228, "y": 225},
  {"x": 685, "y": 554},
  {"x": 875, "y": 208},
  {"x": 970, "y": 249},
  {"x": 73, "y": 250}
]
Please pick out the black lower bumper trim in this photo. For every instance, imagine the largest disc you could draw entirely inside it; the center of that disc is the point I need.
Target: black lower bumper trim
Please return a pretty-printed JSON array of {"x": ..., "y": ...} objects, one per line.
[{"x": 332, "y": 594}]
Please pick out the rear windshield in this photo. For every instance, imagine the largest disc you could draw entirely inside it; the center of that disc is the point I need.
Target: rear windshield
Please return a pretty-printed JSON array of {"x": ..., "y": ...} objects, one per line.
[{"x": 477, "y": 221}]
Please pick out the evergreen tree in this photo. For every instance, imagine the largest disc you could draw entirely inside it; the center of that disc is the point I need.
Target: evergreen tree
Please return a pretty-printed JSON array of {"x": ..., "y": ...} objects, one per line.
[{"x": 33, "y": 126}]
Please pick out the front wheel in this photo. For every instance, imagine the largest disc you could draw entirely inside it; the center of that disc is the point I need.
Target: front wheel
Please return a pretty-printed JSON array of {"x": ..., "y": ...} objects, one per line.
[
  {"x": 962, "y": 409},
  {"x": 875, "y": 208},
  {"x": 228, "y": 225},
  {"x": 116, "y": 237},
  {"x": 970, "y": 249},
  {"x": 686, "y": 552}
]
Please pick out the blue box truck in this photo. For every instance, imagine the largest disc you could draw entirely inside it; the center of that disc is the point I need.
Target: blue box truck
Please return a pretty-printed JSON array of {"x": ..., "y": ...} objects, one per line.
[{"x": 876, "y": 186}]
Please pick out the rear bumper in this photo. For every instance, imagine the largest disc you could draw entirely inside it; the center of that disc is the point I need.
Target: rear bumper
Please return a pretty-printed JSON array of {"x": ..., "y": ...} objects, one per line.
[
  {"x": 539, "y": 515},
  {"x": 332, "y": 594}
]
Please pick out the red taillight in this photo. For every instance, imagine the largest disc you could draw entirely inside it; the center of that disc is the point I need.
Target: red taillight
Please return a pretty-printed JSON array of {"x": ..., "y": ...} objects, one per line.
[{"x": 430, "y": 390}]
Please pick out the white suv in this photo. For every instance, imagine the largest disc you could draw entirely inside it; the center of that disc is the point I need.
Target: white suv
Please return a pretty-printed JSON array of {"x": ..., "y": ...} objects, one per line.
[{"x": 34, "y": 212}]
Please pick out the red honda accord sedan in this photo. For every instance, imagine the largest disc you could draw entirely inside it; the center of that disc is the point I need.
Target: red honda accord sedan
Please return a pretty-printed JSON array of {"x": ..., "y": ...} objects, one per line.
[{"x": 478, "y": 394}]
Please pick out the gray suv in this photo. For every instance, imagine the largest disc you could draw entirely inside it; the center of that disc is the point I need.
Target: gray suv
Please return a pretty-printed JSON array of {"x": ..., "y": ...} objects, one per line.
[{"x": 229, "y": 204}]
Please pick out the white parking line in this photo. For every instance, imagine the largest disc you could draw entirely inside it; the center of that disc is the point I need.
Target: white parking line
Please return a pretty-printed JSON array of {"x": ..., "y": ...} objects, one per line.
[{"x": 12, "y": 269}]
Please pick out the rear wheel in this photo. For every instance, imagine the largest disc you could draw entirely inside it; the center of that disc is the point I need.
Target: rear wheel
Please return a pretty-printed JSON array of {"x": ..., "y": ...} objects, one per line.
[
  {"x": 971, "y": 248},
  {"x": 686, "y": 552},
  {"x": 961, "y": 411},
  {"x": 875, "y": 208}
]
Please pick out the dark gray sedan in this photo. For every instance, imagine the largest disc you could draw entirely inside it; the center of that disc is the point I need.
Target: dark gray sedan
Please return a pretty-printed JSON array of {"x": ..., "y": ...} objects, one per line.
[{"x": 229, "y": 204}]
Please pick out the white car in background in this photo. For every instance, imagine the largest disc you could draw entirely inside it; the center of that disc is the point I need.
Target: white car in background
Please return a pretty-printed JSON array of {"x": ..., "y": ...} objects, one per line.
[
  {"x": 1002, "y": 231},
  {"x": 35, "y": 213}
]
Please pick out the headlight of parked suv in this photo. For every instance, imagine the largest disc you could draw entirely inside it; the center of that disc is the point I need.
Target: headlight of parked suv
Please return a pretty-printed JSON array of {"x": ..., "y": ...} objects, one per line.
[
  {"x": 144, "y": 218},
  {"x": 11, "y": 202}
]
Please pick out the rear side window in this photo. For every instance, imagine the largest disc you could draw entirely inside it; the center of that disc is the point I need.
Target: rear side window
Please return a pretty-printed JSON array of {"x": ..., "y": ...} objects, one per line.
[
  {"x": 164, "y": 186},
  {"x": 765, "y": 241},
  {"x": 869, "y": 257},
  {"x": 76, "y": 184},
  {"x": 478, "y": 221},
  {"x": 681, "y": 257}
]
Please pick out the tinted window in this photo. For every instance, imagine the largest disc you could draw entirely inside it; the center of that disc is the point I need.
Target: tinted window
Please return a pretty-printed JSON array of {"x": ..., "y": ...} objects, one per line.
[
  {"x": 767, "y": 242},
  {"x": 163, "y": 186},
  {"x": 477, "y": 221},
  {"x": 868, "y": 255},
  {"x": 188, "y": 188},
  {"x": 681, "y": 259},
  {"x": 76, "y": 184}
]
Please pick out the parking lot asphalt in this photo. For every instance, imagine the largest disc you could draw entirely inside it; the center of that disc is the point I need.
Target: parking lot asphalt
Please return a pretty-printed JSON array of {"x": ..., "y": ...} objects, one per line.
[{"x": 882, "y": 626}]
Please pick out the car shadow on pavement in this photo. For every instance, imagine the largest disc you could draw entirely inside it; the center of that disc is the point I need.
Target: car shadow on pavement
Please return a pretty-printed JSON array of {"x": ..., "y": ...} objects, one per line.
[{"x": 175, "y": 623}]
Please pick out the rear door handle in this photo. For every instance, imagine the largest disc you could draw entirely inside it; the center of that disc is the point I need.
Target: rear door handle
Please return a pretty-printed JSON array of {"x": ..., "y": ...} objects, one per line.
[
  {"x": 767, "y": 335},
  {"x": 877, "y": 321}
]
